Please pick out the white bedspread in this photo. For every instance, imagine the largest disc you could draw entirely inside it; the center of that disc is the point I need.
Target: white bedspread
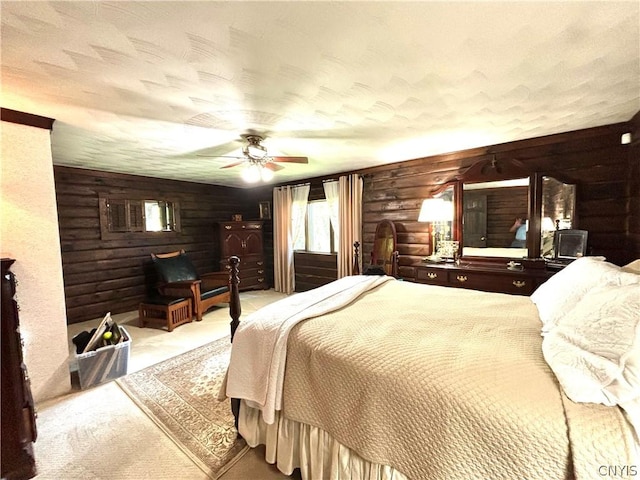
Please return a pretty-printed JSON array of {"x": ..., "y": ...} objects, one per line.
[{"x": 264, "y": 334}]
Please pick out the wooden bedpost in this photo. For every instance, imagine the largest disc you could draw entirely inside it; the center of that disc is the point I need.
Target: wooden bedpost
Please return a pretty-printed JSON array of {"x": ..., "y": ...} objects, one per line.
[
  {"x": 356, "y": 259},
  {"x": 234, "y": 312},
  {"x": 234, "y": 303}
]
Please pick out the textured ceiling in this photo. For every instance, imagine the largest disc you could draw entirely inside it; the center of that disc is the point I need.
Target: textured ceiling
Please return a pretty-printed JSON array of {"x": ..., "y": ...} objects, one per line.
[{"x": 148, "y": 87}]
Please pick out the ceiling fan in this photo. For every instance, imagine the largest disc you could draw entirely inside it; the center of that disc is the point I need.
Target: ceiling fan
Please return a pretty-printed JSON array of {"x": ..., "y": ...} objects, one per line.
[{"x": 258, "y": 163}]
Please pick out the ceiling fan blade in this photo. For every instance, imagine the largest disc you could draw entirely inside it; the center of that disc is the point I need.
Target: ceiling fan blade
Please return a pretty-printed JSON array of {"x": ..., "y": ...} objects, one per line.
[
  {"x": 272, "y": 166},
  {"x": 290, "y": 159},
  {"x": 218, "y": 150},
  {"x": 234, "y": 164}
]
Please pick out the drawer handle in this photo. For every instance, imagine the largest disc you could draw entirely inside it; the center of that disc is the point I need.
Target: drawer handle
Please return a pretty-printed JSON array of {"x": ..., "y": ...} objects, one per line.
[
  {"x": 260, "y": 263},
  {"x": 261, "y": 280},
  {"x": 432, "y": 275},
  {"x": 260, "y": 272},
  {"x": 519, "y": 283},
  {"x": 228, "y": 227},
  {"x": 461, "y": 278}
]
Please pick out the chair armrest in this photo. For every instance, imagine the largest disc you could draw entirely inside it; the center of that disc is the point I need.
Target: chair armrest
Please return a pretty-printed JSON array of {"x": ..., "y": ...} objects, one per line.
[
  {"x": 184, "y": 288},
  {"x": 214, "y": 279}
]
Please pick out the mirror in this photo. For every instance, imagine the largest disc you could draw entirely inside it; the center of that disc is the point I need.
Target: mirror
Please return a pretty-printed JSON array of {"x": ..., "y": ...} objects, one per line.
[
  {"x": 384, "y": 254},
  {"x": 494, "y": 218},
  {"x": 557, "y": 213}
]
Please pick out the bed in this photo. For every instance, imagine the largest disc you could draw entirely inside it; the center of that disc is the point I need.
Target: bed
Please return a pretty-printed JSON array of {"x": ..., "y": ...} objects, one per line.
[{"x": 376, "y": 378}]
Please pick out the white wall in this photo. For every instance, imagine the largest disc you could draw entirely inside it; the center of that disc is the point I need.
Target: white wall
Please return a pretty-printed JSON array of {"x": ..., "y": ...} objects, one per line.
[{"x": 29, "y": 233}]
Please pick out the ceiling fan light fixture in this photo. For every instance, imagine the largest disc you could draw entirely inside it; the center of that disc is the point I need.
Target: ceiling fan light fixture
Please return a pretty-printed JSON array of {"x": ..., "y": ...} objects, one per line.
[
  {"x": 252, "y": 173},
  {"x": 266, "y": 174}
]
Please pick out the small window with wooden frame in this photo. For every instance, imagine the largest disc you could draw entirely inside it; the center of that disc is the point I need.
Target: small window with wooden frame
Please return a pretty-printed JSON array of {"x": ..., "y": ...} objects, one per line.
[{"x": 124, "y": 217}]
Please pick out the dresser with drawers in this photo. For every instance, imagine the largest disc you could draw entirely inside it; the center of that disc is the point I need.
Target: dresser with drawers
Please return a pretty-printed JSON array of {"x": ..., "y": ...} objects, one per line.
[
  {"x": 245, "y": 240},
  {"x": 486, "y": 277}
]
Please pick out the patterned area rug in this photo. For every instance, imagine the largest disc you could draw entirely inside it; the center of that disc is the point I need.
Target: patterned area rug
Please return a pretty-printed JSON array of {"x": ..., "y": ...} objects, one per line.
[{"x": 179, "y": 394}]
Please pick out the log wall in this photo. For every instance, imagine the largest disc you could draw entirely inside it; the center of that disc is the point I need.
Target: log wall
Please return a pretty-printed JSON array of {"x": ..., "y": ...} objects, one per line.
[
  {"x": 115, "y": 275},
  {"x": 605, "y": 171}
]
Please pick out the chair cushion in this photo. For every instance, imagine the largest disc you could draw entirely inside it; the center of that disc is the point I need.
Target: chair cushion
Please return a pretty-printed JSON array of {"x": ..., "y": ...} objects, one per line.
[
  {"x": 175, "y": 269},
  {"x": 163, "y": 300},
  {"x": 213, "y": 293}
]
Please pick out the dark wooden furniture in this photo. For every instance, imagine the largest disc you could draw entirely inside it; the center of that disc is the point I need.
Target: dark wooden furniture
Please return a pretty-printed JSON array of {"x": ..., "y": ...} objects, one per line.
[
  {"x": 178, "y": 278},
  {"x": 488, "y": 277},
  {"x": 18, "y": 411},
  {"x": 235, "y": 310},
  {"x": 168, "y": 311},
  {"x": 384, "y": 254},
  {"x": 244, "y": 240}
]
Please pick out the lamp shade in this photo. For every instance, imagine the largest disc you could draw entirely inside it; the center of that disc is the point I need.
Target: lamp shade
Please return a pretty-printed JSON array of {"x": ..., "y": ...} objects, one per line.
[
  {"x": 548, "y": 225},
  {"x": 436, "y": 210}
]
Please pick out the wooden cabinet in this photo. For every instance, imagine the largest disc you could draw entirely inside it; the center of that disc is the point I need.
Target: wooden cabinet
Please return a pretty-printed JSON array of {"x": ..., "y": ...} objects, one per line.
[
  {"x": 18, "y": 412},
  {"x": 244, "y": 240},
  {"x": 482, "y": 277}
]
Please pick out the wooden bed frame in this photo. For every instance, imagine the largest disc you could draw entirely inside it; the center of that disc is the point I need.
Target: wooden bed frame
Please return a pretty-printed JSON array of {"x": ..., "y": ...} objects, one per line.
[{"x": 235, "y": 310}]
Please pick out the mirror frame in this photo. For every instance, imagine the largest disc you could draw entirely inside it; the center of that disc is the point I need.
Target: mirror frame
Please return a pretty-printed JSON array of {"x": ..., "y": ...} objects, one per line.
[
  {"x": 489, "y": 170},
  {"x": 492, "y": 169}
]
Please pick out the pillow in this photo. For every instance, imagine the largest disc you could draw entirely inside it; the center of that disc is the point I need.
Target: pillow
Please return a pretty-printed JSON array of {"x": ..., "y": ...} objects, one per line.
[
  {"x": 555, "y": 297},
  {"x": 595, "y": 350},
  {"x": 633, "y": 267},
  {"x": 175, "y": 269}
]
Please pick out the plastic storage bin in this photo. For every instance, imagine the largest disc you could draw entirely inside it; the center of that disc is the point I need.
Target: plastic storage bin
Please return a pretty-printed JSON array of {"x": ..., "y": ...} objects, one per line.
[{"x": 104, "y": 364}]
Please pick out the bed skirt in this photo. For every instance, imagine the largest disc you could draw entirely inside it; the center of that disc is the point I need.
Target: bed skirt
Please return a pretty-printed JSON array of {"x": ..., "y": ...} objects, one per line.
[{"x": 290, "y": 445}]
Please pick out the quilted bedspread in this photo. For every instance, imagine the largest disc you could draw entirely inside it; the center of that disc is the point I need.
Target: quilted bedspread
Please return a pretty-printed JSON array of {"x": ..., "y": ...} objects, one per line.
[{"x": 445, "y": 383}]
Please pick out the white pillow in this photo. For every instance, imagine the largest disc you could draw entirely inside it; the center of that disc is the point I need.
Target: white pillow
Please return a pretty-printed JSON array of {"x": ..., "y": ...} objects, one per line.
[
  {"x": 558, "y": 295},
  {"x": 595, "y": 350}
]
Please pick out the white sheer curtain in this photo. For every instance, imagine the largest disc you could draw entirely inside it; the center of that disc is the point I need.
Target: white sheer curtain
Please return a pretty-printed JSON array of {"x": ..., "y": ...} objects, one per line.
[
  {"x": 350, "y": 220},
  {"x": 332, "y": 194},
  {"x": 300, "y": 198},
  {"x": 289, "y": 212}
]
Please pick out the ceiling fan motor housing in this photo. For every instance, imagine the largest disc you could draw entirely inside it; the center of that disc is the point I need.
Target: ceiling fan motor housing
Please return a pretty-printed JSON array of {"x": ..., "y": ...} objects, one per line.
[{"x": 254, "y": 150}]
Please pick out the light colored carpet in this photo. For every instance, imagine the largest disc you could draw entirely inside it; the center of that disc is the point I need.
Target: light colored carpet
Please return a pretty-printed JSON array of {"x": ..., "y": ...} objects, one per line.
[
  {"x": 101, "y": 434},
  {"x": 179, "y": 395}
]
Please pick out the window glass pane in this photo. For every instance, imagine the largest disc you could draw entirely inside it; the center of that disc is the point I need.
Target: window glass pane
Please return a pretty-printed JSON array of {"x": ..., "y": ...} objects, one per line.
[
  {"x": 158, "y": 216},
  {"x": 299, "y": 242},
  {"x": 299, "y": 239},
  {"x": 153, "y": 217},
  {"x": 319, "y": 230}
]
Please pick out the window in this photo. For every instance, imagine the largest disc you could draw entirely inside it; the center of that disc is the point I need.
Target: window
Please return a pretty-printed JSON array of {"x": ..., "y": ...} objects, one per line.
[
  {"x": 158, "y": 216},
  {"x": 121, "y": 217},
  {"x": 319, "y": 234}
]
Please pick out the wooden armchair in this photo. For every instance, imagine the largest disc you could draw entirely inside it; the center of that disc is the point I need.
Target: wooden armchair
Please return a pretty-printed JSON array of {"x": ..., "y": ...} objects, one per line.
[{"x": 178, "y": 278}]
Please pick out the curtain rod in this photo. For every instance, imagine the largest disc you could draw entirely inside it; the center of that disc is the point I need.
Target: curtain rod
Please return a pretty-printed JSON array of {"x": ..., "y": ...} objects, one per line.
[{"x": 296, "y": 185}]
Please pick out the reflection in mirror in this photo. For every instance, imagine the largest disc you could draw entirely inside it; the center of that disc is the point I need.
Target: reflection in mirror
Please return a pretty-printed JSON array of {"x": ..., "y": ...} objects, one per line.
[
  {"x": 494, "y": 219},
  {"x": 558, "y": 211},
  {"x": 439, "y": 212}
]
